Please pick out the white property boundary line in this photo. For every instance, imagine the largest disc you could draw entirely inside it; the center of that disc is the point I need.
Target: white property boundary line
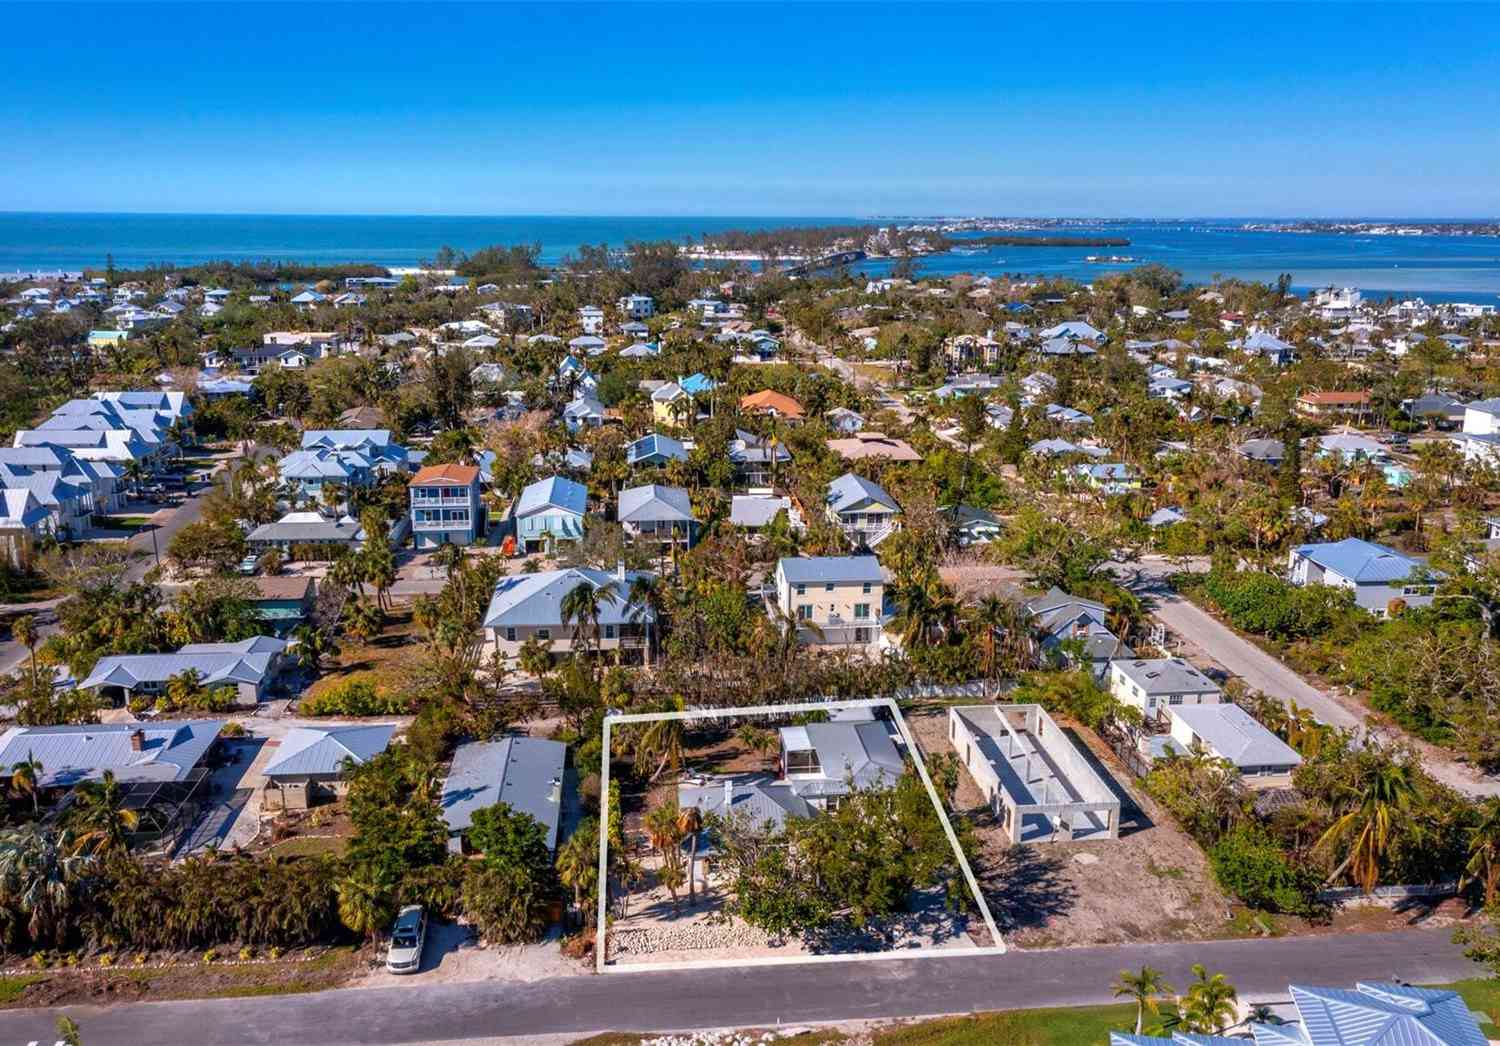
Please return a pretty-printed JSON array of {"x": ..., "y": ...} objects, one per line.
[{"x": 601, "y": 940}]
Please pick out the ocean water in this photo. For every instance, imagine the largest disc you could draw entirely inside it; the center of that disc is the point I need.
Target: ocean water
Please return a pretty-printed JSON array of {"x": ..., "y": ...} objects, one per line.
[{"x": 1439, "y": 268}]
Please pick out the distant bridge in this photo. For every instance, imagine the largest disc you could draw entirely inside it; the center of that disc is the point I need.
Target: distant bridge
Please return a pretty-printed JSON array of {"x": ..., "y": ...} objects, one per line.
[{"x": 828, "y": 261}]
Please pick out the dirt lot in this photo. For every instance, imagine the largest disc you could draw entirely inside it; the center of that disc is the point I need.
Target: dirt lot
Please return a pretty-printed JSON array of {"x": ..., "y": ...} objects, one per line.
[{"x": 1151, "y": 884}]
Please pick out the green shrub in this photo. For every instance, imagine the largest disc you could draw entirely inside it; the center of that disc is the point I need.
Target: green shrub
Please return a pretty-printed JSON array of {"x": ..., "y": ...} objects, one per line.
[
  {"x": 1249, "y": 865},
  {"x": 1266, "y": 605},
  {"x": 355, "y": 697}
]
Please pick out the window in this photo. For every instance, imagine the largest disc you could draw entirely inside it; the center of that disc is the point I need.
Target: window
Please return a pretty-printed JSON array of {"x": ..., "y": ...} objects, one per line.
[
  {"x": 544, "y": 633},
  {"x": 861, "y": 611},
  {"x": 866, "y": 589},
  {"x": 510, "y": 635},
  {"x": 828, "y": 587},
  {"x": 861, "y": 635},
  {"x": 803, "y": 762},
  {"x": 801, "y": 590},
  {"x": 1175, "y": 699},
  {"x": 609, "y": 631},
  {"x": 804, "y": 612}
]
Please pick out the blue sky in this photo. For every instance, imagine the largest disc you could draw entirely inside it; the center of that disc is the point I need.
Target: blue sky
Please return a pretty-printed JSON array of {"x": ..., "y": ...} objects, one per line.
[{"x": 764, "y": 109}]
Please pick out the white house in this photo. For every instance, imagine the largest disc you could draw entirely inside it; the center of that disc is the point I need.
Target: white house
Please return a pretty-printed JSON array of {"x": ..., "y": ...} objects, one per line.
[
  {"x": 1227, "y": 731},
  {"x": 1154, "y": 685},
  {"x": 591, "y": 319},
  {"x": 1375, "y": 574},
  {"x": 835, "y": 600},
  {"x": 637, "y": 306}
]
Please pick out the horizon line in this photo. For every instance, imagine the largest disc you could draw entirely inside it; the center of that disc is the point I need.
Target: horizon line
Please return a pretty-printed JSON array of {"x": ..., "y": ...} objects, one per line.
[{"x": 908, "y": 217}]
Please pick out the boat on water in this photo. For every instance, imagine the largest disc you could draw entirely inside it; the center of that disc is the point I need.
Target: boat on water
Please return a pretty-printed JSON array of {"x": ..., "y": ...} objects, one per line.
[{"x": 1107, "y": 259}]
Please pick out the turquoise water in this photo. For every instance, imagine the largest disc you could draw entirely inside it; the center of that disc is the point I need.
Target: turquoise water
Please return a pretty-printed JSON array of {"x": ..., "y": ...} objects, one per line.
[{"x": 1439, "y": 268}]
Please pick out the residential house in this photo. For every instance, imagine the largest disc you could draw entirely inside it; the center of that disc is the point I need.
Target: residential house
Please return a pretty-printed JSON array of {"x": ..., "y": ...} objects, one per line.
[
  {"x": 654, "y": 449},
  {"x": 283, "y": 604},
  {"x": 637, "y": 306},
  {"x": 583, "y": 412},
  {"x": 1268, "y": 346},
  {"x": 305, "y": 529},
  {"x": 972, "y": 525},
  {"x": 755, "y": 511},
  {"x": 1266, "y": 451},
  {"x": 874, "y": 445},
  {"x": 446, "y": 507},
  {"x": 529, "y": 606},
  {"x": 1075, "y": 330},
  {"x": 1324, "y": 406},
  {"x": 135, "y": 753},
  {"x": 862, "y": 509},
  {"x": 310, "y": 763},
  {"x": 549, "y": 511},
  {"x": 1153, "y": 685},
  {"x": 525, "y": 773},
  {"x": 824, "y": 761},
  {"x": 835, "y": 600},
  {"x": 1075, "y": 630},
  {"x": 844, "y": 420},
  {"x": 1113, "y": 478},
  {"x": 663, "y": 514},
  {"x": 1227, "y": 731},
  {"x": 756, "y": 459},
  {"x": 23, "y": 524},
  {"x": 591, "y": 319},
  {"x": 1480, "y": 438},
  {"x": 1372, "y": 1013},
  {"x": 768, "y": 401},
  {"x": 1374, "y": 574},
  {"x": 1436, "y": 409},
  {"x": 248, "y": 668},
  {"x": 671, "y": 405}
]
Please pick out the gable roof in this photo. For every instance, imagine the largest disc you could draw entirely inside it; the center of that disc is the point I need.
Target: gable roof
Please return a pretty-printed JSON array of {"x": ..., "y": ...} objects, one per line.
[
  {"x": 862, "y": 751},
  {"x": 553, "y": 492},
  {"x": 654, "y": 444},
  {"x": 850, "y": 491},
  {"x": 655, "y": 503},
  {"x": 535, "y": 600},
  {"x": 1231, "y": 732},
  {"x": 1363, "y": 562},
  {"x": 462, "y": 474},
  {"x": 525, "y": 772},
  {"x": 308, "y": 750}
]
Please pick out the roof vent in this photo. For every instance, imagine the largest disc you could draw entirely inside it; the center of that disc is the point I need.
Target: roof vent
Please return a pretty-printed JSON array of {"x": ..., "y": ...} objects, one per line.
[{"x": 137, "y": 740}]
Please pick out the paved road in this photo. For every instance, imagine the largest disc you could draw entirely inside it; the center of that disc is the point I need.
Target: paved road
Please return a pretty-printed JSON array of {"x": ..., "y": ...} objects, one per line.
[
  {"x": 1261, "y": 671},
  {"x": 429, "y": 1012}
]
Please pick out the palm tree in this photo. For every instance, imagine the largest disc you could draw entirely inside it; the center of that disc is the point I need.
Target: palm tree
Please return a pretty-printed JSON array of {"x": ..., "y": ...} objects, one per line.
[
  {"x": 993, "y": 616},
  {"x": 662, "y": 740},
  {"x": 135, "y": 472},
  {"x": 363, "y": 618},
  {"x": 578, "y": 861},
  {"x": 1209, "y": 1006},
  {"x": 99, "y": 815},
  {"x": 646, "y": 603},
  {"x": 581, "y": 608},
  {"x": 313, "y": 646},
  {"x": 690, "y": 823},
  {"x": 67, "y": 1032},
  {"x": 664, "y": 831},
  {"x": 25, "y": 632},
  {"x": 363, "y": 908},
  {"x": 1484, "y": 852},
  {"x": 1147, "y": 989},
  {"x": 25, "y": 778},
  {"x": 39, "y": 872},
  {"x": 1384, "y": 794}
]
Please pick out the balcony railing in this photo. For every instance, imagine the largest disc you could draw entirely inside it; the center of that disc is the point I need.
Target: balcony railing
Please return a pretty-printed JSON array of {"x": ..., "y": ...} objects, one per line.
[{"x": 447, "y": 499}]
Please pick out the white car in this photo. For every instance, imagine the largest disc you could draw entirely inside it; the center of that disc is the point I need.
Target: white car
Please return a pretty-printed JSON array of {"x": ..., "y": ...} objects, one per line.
[{"x": 407, "y": 938}]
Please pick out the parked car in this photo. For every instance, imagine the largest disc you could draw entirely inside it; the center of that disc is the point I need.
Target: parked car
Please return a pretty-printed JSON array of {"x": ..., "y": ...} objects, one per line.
[
  {"x": 407, "y": 938},
  {"x": 249, "y": 563}
]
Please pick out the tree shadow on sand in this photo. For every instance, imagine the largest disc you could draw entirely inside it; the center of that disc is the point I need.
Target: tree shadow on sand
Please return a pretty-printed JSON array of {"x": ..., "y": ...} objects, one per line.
[{"x": 1028, "y": 887}]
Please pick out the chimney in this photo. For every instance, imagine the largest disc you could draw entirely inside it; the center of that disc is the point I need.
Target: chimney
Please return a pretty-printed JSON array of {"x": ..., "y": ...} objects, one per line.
[
  {"x": 137, "y": 739},
  {"x": 620, "y": 570},
  {"x": 728, "y": 796}
]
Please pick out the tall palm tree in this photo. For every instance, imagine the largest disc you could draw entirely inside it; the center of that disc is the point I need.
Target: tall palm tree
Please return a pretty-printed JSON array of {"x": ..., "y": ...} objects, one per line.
[
  {"x": 1484, "y": 852},
  {"x": 25, "y": 632},
  {"x": 99, "y": 816},
  {"x": 314, "y": 646},
  {"x": 581, "y": 608},
  {"x": 994, "y": 617},
  {"x": 1209, "y": 1005},
  {"x": 647, "y": 604},
  {"x": 1146, "y": 988},
  {"x": 25, "y": 778},
  {"x": 1372, "y": 808},
  {"x": 690, "y": 823},
  {"x": 578, "y": 862},
  {"x": 662, "y": 740}
]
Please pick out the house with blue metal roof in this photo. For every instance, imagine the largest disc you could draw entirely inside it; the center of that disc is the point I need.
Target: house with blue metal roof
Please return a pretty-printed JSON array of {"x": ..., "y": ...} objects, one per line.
[
  {"x": 1372, "y": 1013},
  {"x": 834, "y": 600},
  {"x": 654, "y": 449},
  {"x": 549, "y": 511},
  {"x": 247, "y": 667},
  {"x": 862, "y": 509},
  {"x": 133, "y": 752},
  {"x": 525, "y": 773},
  {"x": 310, "y": 762},
  {"x": 1374, "y": 574}
]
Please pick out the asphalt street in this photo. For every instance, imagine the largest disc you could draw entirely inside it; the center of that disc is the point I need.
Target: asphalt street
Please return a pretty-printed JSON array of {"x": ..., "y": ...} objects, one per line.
[{"x": 746, "y": 996}]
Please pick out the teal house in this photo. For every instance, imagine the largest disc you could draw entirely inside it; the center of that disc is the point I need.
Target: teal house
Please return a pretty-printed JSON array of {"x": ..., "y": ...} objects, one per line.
[{"x": 550, "y": 511}]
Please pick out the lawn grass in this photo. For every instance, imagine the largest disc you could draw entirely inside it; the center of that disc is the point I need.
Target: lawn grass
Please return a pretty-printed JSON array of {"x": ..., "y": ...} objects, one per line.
[
  {"x": 1482, "y": 994},
  {"x": 11, "y": 988},
  {"x": 311, "y": 846},
  {"x": 1073, "y": 1026}
]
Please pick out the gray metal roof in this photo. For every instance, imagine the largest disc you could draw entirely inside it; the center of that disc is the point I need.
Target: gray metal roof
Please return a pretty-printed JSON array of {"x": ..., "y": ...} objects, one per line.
[
  {"x": 1231, "y": 732},
  {"x": 803, "y": 570},
  {"x": 861, "y": 751},
  {"x": 655, "y": 503},
  {"x": 1165, "y": 675},
  {"x": 760, "y": 798},
  {"x": 525, "y": 772},
  {"x": 535, "y": 600},
  {"x": 850, "y": 491},
  {"x": 307, "y": 750},
  {"x": 756, "y": 510},
  {"x": 216, "y": 664},
  {"x": 70, "y": 754}
]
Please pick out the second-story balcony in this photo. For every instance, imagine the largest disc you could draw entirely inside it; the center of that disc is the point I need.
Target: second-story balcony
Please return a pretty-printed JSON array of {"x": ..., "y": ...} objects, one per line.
[{"x": 457, "y": 498}]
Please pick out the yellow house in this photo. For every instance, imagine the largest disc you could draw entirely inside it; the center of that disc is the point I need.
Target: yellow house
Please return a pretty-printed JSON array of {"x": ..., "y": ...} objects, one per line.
[
  {"x": 670, "y": 404},
  {"x": 105, "y": 339}
]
